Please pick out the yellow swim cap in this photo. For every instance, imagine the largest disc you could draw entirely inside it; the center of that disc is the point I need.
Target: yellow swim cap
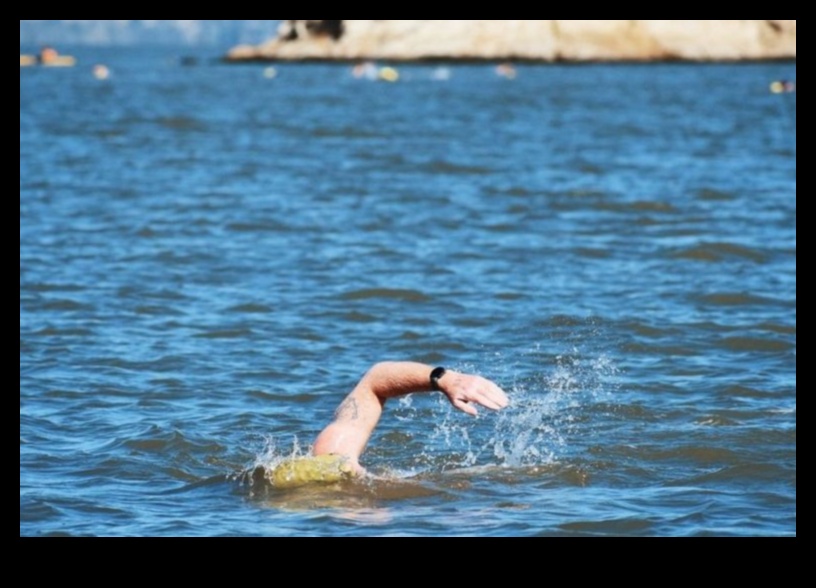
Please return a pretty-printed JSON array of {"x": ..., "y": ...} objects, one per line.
[{"x": 314, "y": 469}]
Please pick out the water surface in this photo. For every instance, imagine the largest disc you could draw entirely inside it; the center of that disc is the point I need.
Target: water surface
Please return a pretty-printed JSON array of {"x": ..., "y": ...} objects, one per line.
[{"x": 210, "y": 257}]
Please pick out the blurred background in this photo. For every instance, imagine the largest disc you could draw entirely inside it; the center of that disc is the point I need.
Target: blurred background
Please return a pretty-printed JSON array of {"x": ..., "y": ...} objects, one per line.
[{"x": 212, "y": 34}]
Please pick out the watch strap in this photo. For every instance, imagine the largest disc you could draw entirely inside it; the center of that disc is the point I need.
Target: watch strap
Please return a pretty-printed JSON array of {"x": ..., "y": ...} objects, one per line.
[{"x": 436, "y": 374}]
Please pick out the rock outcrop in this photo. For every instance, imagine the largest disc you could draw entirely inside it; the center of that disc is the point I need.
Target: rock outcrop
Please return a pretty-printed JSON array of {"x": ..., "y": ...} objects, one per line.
[{"x": 525, "y": 40}]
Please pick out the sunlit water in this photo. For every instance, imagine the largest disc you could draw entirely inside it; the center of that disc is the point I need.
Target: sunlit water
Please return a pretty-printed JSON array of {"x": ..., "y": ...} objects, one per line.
[{"x": 211, "y": 256}]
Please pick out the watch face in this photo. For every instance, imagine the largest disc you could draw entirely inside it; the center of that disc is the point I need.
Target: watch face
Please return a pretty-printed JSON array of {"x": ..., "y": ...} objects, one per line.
[{"x": 436, "y": 373}]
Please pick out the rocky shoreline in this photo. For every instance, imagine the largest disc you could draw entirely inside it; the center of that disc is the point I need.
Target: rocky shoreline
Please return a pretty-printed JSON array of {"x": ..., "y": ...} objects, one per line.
[{"x": 524, "y": 40}]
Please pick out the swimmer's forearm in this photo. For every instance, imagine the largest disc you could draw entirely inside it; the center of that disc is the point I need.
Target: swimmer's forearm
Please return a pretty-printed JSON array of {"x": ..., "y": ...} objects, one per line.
[{"x": 387, "y": 379}]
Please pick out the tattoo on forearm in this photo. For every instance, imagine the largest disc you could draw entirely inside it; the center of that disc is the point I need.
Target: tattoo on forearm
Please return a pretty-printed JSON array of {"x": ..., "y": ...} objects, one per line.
[{"x": 347, "y": 410}]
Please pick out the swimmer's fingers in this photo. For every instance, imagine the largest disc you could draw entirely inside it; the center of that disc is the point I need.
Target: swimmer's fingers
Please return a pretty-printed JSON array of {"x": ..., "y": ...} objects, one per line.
[
  {"x": 483, "y": 391},
  {"x": 465, "y": 390},
  {"x": 493, "y": 396},
  {"x": 464, "y": 406}
]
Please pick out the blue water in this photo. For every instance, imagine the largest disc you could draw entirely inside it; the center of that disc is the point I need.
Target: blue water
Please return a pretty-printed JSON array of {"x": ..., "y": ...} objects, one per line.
[{"x": 210, "y": 257}]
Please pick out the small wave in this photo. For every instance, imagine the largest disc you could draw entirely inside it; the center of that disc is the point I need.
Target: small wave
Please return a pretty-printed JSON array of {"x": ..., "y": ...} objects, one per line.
[
  {"x": 517, "y": 191},
  {"x": 715, "y": 421},
  {"x": 448, "y": 167},
  {"x": 50, "y": 287},
  {"x": 267, "y": 374},
  {"x": 734, "y": 299},
  {"x": 646, "y": 330},
  {"x": 754, "y": 344},
  {"x": 406, "y": 295},
  {"x": 215, "y": 480},
  {"x": 346, "y": 132},
  {"x": 250, "y": 308},
  {"x": 160, "y": 441},
  {"x": 37, "y": 510},
  {"x": 510, "y": 296},
  {"x": 157, "y": 310},
  {"x": 552, "y": 473},
  {"x": 357, "y": 317},
  {"x": 659, "y": 350},
  {"x": 237, "y": 333},
  {"x": 638, "y": 206},
  {"x": 715, "y": 195},
  {"x": 621, "y": 526},
  {"x": 67, "y": 332},
  {"x": 777, "y": 328},
  {"x": 141, "y": 293},
  {"x": 164, "y": 363},
  {"x": 592, "y": 253},
  {"x": 720, "y": 251},
  {"x": 753, "y": 472},
  {"x": 258, "y": 227},
  {"x": 181, "y": 123},
  {"x": 65, "y": 304},
  {"x": 738, "y": 391},
  {"x": 288, "y": 397}
]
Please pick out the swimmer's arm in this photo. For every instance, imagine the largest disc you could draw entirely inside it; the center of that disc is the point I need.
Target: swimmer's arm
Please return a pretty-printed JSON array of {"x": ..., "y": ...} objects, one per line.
[{"x": 358, "y": 414}]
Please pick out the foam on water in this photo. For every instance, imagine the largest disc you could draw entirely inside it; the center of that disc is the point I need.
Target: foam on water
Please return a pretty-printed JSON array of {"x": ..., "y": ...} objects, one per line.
[{"x": 547, "y": 408}]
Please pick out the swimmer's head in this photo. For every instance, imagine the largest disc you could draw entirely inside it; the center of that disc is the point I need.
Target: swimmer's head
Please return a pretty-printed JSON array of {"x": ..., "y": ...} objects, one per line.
[{"x": 312, "y": 469}]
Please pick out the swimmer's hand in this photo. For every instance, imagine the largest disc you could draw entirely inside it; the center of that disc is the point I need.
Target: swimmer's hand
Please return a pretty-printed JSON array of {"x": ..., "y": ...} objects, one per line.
[{"x": 465, "y": 391}]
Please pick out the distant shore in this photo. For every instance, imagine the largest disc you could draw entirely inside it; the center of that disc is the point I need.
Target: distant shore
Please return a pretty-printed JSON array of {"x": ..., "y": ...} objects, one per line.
[
  {"x": 530, "y": 41},
  {"x": 493, "y": 60}
]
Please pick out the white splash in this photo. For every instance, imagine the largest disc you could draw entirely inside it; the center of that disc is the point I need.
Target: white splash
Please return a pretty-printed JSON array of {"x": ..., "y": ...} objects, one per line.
[
  {"x": 546, "y": 410},
  {"x": 270, "y": 455}
]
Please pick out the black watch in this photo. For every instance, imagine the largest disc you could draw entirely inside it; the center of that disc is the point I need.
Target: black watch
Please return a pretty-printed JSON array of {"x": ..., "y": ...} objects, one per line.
[{"x": 436, "y": 374}]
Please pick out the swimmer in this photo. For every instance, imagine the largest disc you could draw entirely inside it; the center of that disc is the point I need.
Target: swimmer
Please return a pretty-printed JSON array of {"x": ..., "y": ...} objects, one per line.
[
  {"x": 505, "y": 70},
  {"x": 781, "y": 86},
  {"x": 338, "y": 447}
]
